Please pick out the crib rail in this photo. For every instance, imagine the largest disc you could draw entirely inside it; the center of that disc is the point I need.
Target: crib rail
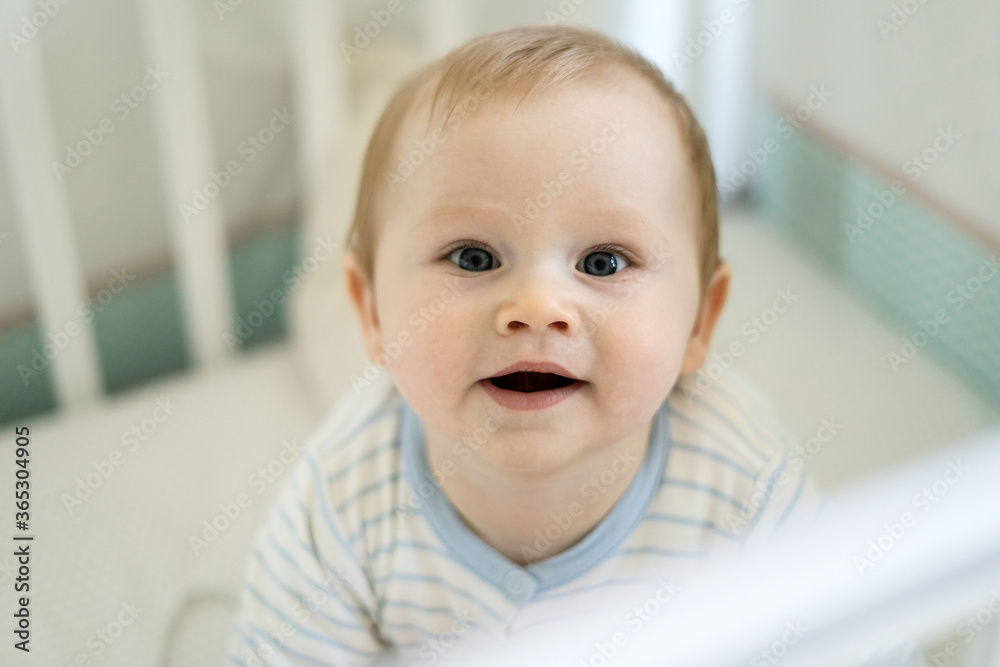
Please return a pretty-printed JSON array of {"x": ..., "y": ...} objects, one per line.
[
  {"x": 184, "y": 139},
  {"x": 43, "y": 215},
  {"x": 314, "y": 27},
  {"x": 184, "y": 147},
  {"x": 882, "y": 571}
]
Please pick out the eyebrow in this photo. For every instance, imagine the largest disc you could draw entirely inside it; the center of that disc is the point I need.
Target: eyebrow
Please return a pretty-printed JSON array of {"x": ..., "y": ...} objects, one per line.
[
  {"x": 627, "y": 218},
  {"x": 453, "y": 213},
  {"x": 631, "y": 219}
]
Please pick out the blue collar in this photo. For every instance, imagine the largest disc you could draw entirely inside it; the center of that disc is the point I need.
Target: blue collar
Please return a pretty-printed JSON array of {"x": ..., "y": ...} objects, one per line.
[{"x": 521, "y": 584}]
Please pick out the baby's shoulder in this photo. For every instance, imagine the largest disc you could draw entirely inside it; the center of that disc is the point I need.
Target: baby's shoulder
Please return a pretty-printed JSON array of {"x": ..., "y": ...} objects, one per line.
[
  {"x": 340, "y": 485},
  {"x": 352, "y": 459},
  {"x": 730, "y": 413},
  {"x": 361, "y": 418},
  {"x": 734, "y": 459}
]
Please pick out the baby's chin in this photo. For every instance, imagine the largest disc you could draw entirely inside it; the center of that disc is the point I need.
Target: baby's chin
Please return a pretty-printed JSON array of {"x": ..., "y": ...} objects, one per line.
[{"x": 530, "y": 453}]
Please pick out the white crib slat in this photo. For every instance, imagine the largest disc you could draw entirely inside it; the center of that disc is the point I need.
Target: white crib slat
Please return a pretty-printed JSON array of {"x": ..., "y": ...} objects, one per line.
[
  {"x": 659, "y": 31},
  {"x": 184, "y": 140},
  {"x": 727, "y": 72},
  {"x": 315, "y": 28},
  {"x": 44, "y": 218}
]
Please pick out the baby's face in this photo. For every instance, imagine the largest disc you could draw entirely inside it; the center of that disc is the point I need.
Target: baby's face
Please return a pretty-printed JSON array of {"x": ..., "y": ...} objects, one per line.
[{"x": 561, "y": 234}]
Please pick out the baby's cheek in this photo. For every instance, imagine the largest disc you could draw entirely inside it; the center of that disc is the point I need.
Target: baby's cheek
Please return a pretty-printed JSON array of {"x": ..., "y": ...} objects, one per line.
[
  {"x": 401, "y": 334},
  {"x": 649, "y": 353},
  {"x": 435, "y": 350}
]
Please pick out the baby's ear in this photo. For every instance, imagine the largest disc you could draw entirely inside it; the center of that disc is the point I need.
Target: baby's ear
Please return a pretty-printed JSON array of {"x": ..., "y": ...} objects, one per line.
[
  {"x": 711, "y": 307},
  {"x": 362, "y": 295}
]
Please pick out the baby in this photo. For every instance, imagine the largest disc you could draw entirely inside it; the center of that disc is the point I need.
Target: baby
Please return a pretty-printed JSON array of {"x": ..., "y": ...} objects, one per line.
[{"x": 534, "y": 258}]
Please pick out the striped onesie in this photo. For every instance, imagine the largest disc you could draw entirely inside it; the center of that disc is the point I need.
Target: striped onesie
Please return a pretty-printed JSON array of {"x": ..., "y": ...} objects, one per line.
[{"x": 361, "y": 553}]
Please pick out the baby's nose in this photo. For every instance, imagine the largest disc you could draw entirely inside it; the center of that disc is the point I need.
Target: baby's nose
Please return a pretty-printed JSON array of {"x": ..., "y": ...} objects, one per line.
[{"x": 537, "y": 305}]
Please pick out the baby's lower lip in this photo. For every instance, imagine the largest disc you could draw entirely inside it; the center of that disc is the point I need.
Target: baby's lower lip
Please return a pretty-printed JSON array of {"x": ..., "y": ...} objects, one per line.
[{"x": 535, "y": 400}]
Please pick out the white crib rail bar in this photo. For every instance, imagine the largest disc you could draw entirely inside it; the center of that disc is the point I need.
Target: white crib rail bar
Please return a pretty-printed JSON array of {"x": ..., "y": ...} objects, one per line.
[
  {"x": 922, "y": 574},
  {"x": 314, "y": 29},
  {"x": 43, "y": 215},
  {"x": 659, "y": 30},
  {"x": 925, "y": 573},
  {"x": 184, "y": 138}
]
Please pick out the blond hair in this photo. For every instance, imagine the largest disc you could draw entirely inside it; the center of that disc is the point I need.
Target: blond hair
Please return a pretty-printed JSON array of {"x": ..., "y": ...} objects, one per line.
[{"x": 519, "y": 61}]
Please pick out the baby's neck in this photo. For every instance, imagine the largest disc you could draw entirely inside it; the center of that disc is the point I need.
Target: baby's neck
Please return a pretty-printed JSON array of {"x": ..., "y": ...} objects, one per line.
[{"x": 528, "y": 516}]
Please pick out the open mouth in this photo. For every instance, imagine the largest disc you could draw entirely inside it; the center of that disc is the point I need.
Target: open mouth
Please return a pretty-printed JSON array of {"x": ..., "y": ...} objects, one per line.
[{"x": 528, "y": 382}]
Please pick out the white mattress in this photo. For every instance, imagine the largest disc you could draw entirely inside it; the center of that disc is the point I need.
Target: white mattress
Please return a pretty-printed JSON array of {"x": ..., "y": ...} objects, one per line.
[{"x": 128, "y": 542}]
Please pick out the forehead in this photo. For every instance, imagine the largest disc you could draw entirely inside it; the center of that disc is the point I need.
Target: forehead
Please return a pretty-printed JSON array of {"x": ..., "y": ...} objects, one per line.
[{"x": 608, "y": 147}]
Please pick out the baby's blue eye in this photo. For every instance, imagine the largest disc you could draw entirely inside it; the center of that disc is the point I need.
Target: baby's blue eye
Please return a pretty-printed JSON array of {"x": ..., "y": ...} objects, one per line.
[
  {"x": 602, "y": 263},
  {"x": 473, "y": 259}
]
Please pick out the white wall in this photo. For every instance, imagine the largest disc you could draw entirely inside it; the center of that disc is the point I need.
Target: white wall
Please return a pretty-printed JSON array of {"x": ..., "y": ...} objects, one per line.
[{"x": 893, "y": 89}]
